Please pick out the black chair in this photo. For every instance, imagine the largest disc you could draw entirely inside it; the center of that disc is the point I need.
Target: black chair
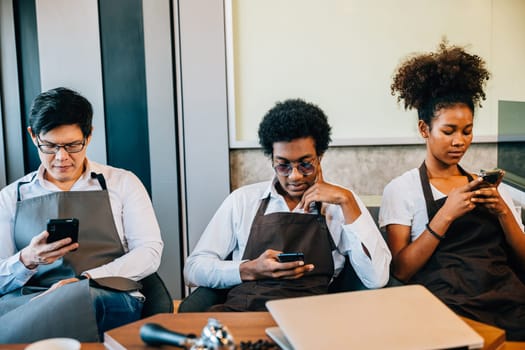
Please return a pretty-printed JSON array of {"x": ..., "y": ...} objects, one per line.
[
  {"x": 158, "y": 298},
  {"x": 202, "y": 298}
]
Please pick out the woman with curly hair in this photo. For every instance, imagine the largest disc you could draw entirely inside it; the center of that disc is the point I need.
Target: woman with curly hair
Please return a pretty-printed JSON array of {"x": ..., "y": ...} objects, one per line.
[{"x": 446, "y": 228}]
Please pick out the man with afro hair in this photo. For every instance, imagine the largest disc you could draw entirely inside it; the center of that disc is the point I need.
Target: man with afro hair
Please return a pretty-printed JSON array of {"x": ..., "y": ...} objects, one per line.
[{"x": 297, "y": 211}]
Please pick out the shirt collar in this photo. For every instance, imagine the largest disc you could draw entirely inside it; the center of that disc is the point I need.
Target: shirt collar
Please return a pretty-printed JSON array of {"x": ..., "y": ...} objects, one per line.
[
  {"x": 272, "y": 191},
  {"x": 86, "y": 176}
]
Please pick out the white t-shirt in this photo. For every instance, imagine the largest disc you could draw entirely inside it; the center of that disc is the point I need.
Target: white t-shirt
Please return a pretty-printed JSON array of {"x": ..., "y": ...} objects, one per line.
[{"x": 403, "y": 203}]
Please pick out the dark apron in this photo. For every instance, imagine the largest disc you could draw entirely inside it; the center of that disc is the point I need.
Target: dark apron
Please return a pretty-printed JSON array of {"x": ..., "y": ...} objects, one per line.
[
  {"x": 470, "y": 270},
  {"x": 288, "y": 232},
  {"x": 68, "y": 311}
]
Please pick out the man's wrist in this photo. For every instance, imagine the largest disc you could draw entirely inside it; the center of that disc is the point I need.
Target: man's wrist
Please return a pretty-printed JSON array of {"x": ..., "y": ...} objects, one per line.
[
  {"x": 245, "y": 271},
  {"x": 27, "y": 265}
]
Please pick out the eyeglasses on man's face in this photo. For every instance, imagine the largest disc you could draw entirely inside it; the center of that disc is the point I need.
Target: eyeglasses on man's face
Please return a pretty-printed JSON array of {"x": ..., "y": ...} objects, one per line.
[
  {"x": 285, "y": 169},
  {"x": 53, "y": 148}
]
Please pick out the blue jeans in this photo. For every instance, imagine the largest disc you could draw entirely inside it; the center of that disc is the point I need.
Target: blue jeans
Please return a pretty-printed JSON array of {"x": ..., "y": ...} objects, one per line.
[{"x": 114, "y": 309}]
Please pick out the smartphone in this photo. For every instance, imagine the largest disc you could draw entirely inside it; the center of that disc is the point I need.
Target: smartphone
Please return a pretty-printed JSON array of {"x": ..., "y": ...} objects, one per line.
[
  {"x": 62, "y": 228},
  {"x": 288, "y": 257},
  {"x": 492, "y": 177}
]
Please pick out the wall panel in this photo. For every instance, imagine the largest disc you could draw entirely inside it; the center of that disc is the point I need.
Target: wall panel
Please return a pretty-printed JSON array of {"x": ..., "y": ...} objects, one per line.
[
  {"x": 13, "y": 161},
  {"x": 158, "y": 44},
  {"x": 69, "y": 51}
]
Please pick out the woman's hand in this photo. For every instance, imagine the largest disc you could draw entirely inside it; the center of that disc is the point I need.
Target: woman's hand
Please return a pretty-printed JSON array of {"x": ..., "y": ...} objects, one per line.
[
  {"x": 268, "y": 266},
  {"x": 489, "y": 198},
  {"x": 39, "y": 252},
  {"x": 459, "y": 201}
]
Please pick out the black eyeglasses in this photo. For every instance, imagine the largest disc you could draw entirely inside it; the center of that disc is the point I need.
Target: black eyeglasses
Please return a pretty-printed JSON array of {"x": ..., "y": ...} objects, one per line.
[
  {"x": 53, "y": 148},
  {"x": 285, "y": 169}
]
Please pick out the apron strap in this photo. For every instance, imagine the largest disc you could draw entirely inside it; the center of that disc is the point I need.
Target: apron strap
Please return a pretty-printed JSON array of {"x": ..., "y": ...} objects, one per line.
[
  {"x": 263, "y": 206},
  {"x": 464, "y": 173},
  {"x": 101, "y": 180},
  {"x": 20, "y": 184},
  {"x": 99, "y": 177}
]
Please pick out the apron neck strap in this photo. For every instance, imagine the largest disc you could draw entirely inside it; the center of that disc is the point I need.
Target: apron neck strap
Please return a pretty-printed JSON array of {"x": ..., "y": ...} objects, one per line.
[
  {"x": 20, "y": 184},
  {"x": 263, "y": 206},
  {"x": 101, "y": 180},
  {"x": 427, "y": 191},
  {"x": 99, "y": 177}
]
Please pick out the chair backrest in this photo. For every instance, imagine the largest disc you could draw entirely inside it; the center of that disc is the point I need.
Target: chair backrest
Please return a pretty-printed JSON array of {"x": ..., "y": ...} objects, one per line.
[
  {"x": 202, "y": 298},
  {"x": 347, "y": 280},
  {"x": 158, "y": 298}
]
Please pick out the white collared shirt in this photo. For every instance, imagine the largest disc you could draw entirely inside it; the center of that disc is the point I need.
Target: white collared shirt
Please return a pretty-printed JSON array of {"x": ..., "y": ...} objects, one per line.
[
  {"x": 133, "y": 214},
  {"x": 229, "y": 229}
]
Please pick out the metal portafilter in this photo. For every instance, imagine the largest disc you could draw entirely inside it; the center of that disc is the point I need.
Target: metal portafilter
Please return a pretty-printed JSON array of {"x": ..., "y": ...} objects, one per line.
[{"x": 214, "y": 336}]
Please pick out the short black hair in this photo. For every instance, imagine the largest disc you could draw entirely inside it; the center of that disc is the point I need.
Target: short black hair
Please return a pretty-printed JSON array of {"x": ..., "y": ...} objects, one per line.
[
  {"x": 60, "y": 106},
  {"x": 442, "y": 79},
  {"x": 293, "y": 119}
]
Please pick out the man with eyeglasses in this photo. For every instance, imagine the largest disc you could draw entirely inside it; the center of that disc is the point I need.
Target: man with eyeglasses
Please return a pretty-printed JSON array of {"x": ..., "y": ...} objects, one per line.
[
  {"x": 63, "y": 288},
  {"x": 296, "y": 212}
]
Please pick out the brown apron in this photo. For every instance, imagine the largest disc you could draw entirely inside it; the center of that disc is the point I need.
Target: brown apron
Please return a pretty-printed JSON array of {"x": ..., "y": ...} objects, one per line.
[
  {"x": 471, "y": 269},
  {"x": 288, "y": 232},
  {"x": 68, "y": 311}
]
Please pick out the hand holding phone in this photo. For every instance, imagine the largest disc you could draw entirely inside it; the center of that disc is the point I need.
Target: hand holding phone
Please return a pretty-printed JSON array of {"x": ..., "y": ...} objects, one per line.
[
  {"x": 62, "y": 228},
  {"x": 288, "y": 257}
]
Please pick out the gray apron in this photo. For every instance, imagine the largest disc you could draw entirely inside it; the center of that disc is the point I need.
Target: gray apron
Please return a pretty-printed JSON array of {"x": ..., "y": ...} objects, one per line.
[
  {"x": 68, "y": 311},
  {"x": 289, "y": 232}
]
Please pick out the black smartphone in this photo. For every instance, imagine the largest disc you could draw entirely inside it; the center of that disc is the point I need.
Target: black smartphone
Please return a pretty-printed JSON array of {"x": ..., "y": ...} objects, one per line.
[
  {"x": 288, "y": 257},
  {"x": 62, "y": 228},
  {"x": 492, "y": 177}
]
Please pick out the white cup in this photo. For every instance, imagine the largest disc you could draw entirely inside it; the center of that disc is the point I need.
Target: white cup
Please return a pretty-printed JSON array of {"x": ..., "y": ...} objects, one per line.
[{"x": 55, "y": 344}]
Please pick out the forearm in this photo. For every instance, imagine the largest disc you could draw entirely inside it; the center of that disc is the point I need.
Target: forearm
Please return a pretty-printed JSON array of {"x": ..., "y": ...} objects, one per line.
[
  {"x": 209, "y": 271},
  {"x": 513, "y": 234},
  {"x": 374, "y": 273},
  {"x": 350, "y": 207},
  {"x": 136, "y": 264},
  {"x": 367, "y": 250},
  {"x": 412, "y": 257},
  {"x": 407, "y": 262},
  {"x": 13, "y": 274}
]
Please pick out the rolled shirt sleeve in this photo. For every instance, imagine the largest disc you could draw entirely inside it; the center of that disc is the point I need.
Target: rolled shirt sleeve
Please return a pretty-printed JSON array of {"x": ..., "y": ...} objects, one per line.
[
  {"x": 13, "y": 274},
  {"x": 374, "y": 271}
]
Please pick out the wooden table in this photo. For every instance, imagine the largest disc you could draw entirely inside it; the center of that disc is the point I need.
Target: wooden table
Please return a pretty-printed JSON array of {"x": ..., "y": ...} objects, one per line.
[{"x": 246, "y": 326}]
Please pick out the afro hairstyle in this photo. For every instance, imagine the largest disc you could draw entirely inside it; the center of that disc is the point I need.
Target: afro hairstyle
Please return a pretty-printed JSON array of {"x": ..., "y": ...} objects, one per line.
[
  {"x": 431, "y": 81},
  {"x": 293, "y": 119}
]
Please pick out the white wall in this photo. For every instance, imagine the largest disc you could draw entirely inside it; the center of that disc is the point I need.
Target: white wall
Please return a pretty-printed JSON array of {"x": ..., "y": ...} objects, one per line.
[
  {"x": 342, "y": 55},
  {"x": 69, "y": 52}
]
